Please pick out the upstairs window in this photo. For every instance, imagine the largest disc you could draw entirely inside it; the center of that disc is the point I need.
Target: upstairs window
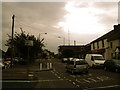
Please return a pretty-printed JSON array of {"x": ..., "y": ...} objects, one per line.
[
  {"x": 111, "y": 44},
  {"x": 102, "y": 43},
  {"x": 97, "y": 44},
  {"x": 93, "y": 45}
]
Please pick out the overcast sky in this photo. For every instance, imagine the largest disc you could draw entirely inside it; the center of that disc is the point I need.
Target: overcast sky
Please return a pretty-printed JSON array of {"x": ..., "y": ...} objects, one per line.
[{"x": 85, "y": 21}]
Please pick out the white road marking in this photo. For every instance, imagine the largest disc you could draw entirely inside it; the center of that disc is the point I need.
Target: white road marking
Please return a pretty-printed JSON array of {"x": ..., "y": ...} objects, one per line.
[
  {"x": 99, "y": 78},
  {"x": 102, "y": 87},
  {"x": 73, "y": 83},
  {"x": 86, "y": 80},
  {"x": 78, "y": 85},
  {"x": 59, "y": 77},
  {"x": 92, "y": 79}
]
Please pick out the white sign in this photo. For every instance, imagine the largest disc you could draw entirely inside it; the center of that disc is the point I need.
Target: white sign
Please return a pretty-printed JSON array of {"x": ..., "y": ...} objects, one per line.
[
  {"x": 117, "y": 50},
  {"x": 29, "y": 43}
]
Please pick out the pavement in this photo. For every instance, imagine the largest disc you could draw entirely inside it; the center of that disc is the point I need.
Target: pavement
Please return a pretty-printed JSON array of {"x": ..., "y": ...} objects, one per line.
[{"x": 25, "y": 76}]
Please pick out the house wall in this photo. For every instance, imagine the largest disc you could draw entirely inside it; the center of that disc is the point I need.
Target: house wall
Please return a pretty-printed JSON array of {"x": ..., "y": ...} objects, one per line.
[
  {"x": 111, "y": 50},
  {"x": 99, "y": 45}
]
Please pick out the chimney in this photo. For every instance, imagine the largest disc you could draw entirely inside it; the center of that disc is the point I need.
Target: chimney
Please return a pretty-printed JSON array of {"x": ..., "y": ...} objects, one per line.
[{"x": 117, "y": 27}]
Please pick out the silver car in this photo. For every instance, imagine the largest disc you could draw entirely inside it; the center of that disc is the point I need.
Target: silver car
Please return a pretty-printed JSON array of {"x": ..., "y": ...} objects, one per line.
[{"x": 77, "y": 65}]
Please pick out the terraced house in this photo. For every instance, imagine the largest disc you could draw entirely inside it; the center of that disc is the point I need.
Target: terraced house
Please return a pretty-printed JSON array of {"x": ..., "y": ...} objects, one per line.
[{"x": 108, "y": 45}]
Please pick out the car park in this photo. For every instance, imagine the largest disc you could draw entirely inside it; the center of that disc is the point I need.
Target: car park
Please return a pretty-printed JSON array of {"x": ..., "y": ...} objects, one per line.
[
  {"x": 112, "y": 65},
  {"x": 77, "y": 65}
]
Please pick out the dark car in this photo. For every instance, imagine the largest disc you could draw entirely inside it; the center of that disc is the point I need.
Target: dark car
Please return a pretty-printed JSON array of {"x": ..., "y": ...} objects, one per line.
[
  {"x": 77, "y": 65},
  {"x": 112, "y": 65}
]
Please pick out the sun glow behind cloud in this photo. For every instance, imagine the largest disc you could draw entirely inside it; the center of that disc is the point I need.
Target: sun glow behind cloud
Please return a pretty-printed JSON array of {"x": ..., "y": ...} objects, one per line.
[{"x": 82, "y": 20}]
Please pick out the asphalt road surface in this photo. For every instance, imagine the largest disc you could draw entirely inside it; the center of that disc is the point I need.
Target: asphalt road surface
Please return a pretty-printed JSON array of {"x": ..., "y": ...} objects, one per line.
[{"x": 96, "y": 79}]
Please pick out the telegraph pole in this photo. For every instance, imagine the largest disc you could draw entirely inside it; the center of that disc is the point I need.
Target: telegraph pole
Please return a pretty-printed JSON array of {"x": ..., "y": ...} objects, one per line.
[
  {"x": 68, "y": 37},
  {"x": 12, "y": 39}
]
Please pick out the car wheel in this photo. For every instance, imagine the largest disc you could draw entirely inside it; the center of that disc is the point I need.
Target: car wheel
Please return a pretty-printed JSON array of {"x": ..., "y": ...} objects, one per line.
[
  {"x": 86, "y": 72},
  {"x": 72, "y": 71},
  {"x": 105, "y": 68},
  {"x": 93, "y": 66},
  {"x": 66, "y": 70},
  {"x": 116, "y": 70}
]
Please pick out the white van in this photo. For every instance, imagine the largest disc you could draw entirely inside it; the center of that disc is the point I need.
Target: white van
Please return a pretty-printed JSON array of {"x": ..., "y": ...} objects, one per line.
[{"x": 95, "y": 60}]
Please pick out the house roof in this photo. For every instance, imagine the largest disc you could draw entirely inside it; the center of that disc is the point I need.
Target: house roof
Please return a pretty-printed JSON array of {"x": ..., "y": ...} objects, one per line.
[{"x": 112, "y": 35}]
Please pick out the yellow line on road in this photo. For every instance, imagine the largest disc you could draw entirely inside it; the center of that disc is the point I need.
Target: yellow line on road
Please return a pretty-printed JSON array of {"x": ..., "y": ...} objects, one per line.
[
  {"x": 30, "y": 80},
  {"x": 102, "y": 87}
]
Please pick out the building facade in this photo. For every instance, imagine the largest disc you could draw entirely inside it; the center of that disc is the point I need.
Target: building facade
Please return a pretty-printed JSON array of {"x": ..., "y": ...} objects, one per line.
[
  {"x": 68, "y": 51},
  {"x": 108, "y": 44}
]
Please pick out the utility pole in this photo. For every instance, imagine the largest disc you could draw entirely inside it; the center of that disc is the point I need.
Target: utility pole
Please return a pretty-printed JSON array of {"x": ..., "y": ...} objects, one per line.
[
  {"x": 12, "y": 39},
  {"x": 74, "y": 42},
  {"x": 119, "y": 12},
  {"x": 68, "y": 37}
]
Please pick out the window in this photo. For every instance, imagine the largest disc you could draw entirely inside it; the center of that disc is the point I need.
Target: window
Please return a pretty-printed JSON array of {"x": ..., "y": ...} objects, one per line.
[
  {"x": 93, "y": 45},
  {"x": 92, "y": 58},
  {"x": 102, "y": 43},
  {"x": 98, "y": 58},
  {"x": 111, "y": 44},
  {"x": 97, "y": 44}
]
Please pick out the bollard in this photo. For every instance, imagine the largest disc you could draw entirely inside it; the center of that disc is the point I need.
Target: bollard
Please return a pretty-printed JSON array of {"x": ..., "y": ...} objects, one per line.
[
  {"x": 40, "y": 66},
  {"x": 47, "y": 65},
  {"x": 50, "y": 65}
]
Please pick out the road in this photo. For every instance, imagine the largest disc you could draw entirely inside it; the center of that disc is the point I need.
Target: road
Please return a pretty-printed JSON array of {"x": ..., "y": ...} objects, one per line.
[
  {"x": 58, "y": 78},
  {"x": 95, "y": 79}
]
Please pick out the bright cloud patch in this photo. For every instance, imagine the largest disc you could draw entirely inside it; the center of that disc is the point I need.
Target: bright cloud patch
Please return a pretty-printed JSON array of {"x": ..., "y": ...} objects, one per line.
[{"x": 82, "y": 20}]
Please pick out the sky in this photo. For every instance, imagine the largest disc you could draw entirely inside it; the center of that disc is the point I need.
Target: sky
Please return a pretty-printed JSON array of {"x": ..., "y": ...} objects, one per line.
[{"x": 71, "y": 20}]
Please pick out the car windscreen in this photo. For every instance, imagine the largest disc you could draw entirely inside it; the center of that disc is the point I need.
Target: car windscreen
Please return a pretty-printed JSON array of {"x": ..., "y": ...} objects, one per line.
[
  {"x": 71, "y": 62},
  {"x": 80, "y": 62},
  {"x": 98, "y": 58}
]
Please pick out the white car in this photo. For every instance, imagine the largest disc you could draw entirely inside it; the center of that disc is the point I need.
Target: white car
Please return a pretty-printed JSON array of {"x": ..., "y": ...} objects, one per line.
[{"x": 64, "y": 59}]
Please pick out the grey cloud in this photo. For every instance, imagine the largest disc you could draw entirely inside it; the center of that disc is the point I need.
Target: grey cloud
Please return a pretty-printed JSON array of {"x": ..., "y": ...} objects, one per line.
[
  {"x": 105, "y": 5},
  {"x": 37, "y": 17},
  {"x": 81, "y": 4}
]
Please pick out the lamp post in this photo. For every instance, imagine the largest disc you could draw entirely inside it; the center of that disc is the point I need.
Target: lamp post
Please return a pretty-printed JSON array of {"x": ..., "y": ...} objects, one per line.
[
  {"x": 63, "y": 39},
  {"x": 12, "y": 39},
  {"x": 40, "y": 66}
]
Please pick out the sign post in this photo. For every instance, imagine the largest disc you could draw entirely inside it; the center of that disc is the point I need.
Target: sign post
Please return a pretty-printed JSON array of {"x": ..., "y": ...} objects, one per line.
[{"x": 28, "y": 43}]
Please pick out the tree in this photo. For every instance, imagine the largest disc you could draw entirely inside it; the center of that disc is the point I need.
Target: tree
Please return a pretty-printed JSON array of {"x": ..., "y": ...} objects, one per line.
[{"x": 20, "y": 49}]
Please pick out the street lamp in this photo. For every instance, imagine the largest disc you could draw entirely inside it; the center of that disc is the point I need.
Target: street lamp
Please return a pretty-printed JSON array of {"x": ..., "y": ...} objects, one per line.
[{"x": 63, "y": 39}]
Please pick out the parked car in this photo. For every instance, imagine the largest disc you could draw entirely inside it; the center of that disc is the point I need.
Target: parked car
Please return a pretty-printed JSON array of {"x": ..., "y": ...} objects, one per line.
[
  {"x": 16, "y": 60},
  {"x": 7, "y": 62},
  {"x": 64, "y": 59},
  {"x": 95, "y": 60},
  {"x": 77, "y": 65},
  {"x": 2, "y": 66},
  {"x": 112, "y": 65}
]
